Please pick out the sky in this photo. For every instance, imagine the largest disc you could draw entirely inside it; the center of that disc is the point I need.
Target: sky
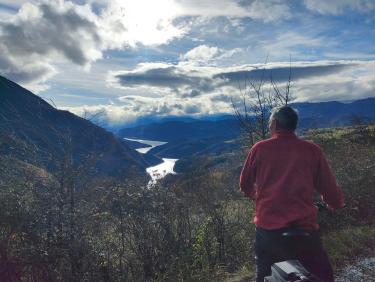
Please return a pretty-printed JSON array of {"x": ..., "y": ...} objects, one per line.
[{"x": 124, "y": 60}]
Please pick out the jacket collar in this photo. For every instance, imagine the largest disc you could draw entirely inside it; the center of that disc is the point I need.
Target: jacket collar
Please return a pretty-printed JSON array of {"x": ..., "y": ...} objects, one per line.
[{"x": 284, "y": 133}]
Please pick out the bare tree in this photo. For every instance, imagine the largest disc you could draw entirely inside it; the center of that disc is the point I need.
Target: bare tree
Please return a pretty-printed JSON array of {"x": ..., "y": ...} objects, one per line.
[{"x": 258, "y": 97}]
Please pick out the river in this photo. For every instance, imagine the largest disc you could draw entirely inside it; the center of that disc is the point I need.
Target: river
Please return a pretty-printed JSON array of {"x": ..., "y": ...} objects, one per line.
[
  {"x": 152, "y": 144},
  {"x": 160, "y": 170}
]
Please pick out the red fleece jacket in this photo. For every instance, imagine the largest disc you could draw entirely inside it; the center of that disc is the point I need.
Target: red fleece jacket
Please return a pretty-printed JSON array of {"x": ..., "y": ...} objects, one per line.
[{"x": 281, "y": 175}]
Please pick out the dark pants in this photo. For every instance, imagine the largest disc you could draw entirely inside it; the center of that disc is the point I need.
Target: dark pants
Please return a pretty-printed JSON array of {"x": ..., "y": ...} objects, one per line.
[{"x": 271, "y": 246}]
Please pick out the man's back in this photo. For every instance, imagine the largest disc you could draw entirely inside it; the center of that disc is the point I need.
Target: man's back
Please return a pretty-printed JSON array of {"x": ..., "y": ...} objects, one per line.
[{"x": 281, "y": 174}]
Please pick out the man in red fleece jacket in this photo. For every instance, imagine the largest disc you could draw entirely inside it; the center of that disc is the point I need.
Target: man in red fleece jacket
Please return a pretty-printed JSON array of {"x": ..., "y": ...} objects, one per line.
[{"x": 282, "y": 174}]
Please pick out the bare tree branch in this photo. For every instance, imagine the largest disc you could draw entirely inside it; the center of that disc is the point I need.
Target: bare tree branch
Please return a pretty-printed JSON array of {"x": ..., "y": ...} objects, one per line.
[{"x": 254, "y": 110}]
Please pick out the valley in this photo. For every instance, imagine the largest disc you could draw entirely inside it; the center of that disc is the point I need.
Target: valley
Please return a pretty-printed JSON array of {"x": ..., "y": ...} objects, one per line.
[
  {"x": 158, "y": 197},
  {"x": 130, "y": 130}
]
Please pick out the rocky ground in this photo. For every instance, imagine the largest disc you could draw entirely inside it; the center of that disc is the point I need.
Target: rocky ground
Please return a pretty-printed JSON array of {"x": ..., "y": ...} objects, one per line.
[{"x": 362, "y": 271}]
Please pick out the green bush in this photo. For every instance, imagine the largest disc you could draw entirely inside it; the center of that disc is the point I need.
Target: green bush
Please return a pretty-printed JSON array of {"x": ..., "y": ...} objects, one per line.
[{"x": 347, "y": 244}]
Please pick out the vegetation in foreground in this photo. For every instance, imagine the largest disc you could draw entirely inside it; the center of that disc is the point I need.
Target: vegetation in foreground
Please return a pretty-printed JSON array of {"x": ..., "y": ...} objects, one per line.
[{"x": 192, "y": 227}]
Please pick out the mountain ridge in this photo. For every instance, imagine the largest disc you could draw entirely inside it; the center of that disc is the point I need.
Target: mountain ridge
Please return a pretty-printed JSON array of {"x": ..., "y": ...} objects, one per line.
[
  {"x": 311, "y": 107},
  {"x": 187, "y": 138},
  {"x": 35, "y": 132},
  {"x": 326, "y": 114}
]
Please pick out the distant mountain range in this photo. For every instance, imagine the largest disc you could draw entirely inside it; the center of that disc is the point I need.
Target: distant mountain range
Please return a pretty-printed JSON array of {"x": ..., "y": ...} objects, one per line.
[
  {"x": 171, "y": 131},
  {"x": 332, "y": 114},
  {"x": 157, "y": 119},
  {"x": 189, "y": 137},
  {"x": 34, "y": 132},
  {"x": 312, "y": 115}
]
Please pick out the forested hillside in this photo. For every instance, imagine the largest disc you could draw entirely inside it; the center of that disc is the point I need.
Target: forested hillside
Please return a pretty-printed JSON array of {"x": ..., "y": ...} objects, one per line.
[{"x": 190, "y": 227}]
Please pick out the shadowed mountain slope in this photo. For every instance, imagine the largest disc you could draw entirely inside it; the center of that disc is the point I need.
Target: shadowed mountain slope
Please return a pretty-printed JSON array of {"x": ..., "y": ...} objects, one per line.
[{"x": 33, "y": 131}]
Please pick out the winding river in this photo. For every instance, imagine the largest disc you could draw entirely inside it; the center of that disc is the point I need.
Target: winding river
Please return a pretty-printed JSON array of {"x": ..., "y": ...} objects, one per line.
[
  {"x": 152, "y": 144},
  {"x": 160, "y": 170}
]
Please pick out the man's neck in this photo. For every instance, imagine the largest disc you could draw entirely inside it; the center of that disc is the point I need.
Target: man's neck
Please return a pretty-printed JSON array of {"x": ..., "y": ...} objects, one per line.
[{"x": 283, "y": 132}]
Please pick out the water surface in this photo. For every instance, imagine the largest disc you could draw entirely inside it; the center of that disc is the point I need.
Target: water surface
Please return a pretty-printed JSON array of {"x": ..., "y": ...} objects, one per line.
[
  {"x": 152, "y": 144},
  {"x": 160, "y": 170}
]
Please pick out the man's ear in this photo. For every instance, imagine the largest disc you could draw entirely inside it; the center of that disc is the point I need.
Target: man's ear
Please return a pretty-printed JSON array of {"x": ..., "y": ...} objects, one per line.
[
  {"x": 272, "y": 126},
  {"x": 276, "y": 125}
]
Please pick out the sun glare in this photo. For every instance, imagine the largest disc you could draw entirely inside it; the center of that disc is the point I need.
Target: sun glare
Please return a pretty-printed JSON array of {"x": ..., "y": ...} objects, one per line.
[{"x": 149, "y": 22}]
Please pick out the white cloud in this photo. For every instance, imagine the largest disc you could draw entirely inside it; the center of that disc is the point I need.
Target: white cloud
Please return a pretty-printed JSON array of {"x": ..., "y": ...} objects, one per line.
[
  {"x": 191, "y": 80},
  {"x": 128, "y": 109},
  {"x": 212, "y": 8},
  {"x": 46, "y": 37},
  {"x": 204, "y": 54},
  {"x": 201, "y": 53},
  {"x": 350, "y": 55},
  {"x": 111, "y": 115},
  {"x": 127, "y": 23},
  {"x": 132, "y": 108},
  {"x": 41, "y": 35},
  {"x": 265, "y": 10},
  {"x": 290, "y": 43},
  {"x": 185, "y": 93},
  {"x": 45, "y": 33},
  {"x": 336, "y": 7},
  {"x": 269, "y": 11},
  {"x": 352, "y": 83}
]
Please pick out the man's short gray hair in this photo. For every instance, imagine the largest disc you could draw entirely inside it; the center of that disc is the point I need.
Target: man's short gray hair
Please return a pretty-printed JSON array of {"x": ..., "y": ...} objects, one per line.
[{"x": 286, "y": 117}]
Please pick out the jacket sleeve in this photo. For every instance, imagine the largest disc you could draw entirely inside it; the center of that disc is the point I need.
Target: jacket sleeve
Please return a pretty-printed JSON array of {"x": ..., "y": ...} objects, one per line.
[
  {"x": 326, "y": 184},
  {"x": 248, "y": 175}
]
